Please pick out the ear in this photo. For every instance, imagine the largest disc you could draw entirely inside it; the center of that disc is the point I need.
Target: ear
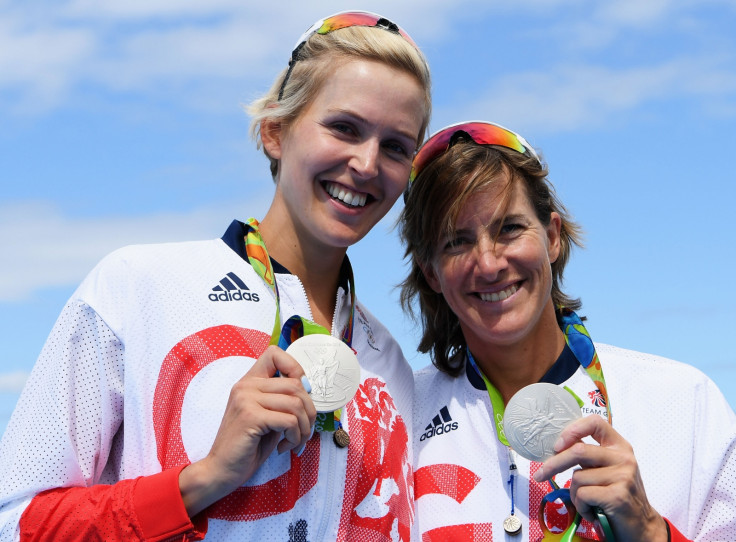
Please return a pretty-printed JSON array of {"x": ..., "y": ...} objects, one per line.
[
  {"x": 430, "y": 275},
  {"x": 554, "y": 244},
  {"x": 271, "y": 135}
]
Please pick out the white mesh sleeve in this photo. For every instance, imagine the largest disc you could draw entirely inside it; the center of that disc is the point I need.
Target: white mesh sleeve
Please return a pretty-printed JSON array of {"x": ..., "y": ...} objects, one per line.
[{"x": 62, "y": 430}]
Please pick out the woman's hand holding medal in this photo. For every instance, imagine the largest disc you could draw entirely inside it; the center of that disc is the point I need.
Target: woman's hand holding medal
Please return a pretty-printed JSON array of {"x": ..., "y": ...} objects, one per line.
[
  {"x": 609, "y": 479},
  {"x": 262, "y": 414}
]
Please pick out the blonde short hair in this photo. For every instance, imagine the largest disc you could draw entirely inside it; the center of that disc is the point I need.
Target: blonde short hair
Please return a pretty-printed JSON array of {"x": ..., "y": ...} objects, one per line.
[{"x": 319, "y": 57}]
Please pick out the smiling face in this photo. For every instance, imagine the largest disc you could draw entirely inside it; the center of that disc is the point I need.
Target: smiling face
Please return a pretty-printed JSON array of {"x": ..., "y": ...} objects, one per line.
[
  {"x": 494, "y": 270},
  {"x": 346, "y": 158}
]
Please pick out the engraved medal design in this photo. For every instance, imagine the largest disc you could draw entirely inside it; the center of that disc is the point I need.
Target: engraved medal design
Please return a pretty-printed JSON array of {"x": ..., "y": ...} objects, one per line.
[
  {"x": 331, "y": 367},
  {"x": 341, "y": 438},
  {"x": 534, "y": 418},
  {"x": 512, "y": 525}
]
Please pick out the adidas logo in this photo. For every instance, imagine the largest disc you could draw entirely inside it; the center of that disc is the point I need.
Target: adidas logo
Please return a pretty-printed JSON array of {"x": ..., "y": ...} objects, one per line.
[
  {"x": 232, "y": 288},
  {"x": 442, "y": 423}
]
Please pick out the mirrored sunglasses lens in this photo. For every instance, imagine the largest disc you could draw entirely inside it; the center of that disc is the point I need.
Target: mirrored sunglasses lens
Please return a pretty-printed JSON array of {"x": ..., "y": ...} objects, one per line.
[
  {"x": 495, "y": 135},
  {"x": 345, "y": 20},
  {"x": 429, "y": 151}
]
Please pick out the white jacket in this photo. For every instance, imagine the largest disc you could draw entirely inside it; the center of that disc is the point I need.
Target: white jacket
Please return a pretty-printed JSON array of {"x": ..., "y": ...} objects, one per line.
[
  {"x": 135, "y": 376},
  {"x": 679, "y": 424}
]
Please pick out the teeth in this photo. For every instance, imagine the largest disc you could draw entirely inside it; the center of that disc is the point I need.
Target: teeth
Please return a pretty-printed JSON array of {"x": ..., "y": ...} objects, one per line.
[
  {"x": 499, "y": 296},
  {"x": 346, "y": 196}
]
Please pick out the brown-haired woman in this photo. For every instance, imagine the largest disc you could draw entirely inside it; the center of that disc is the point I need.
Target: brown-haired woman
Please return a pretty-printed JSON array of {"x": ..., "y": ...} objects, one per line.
[{"x": 488, "y": 242}]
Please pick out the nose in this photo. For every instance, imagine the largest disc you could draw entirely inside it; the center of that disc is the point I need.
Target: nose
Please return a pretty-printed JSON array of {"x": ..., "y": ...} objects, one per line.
[
  {"x": 364, "y": 161},
  {"x": 490, "y": 259}
]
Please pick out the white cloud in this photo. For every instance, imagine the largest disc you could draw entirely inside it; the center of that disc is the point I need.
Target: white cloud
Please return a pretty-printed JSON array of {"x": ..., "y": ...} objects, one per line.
[
  {"x": 44, "y": 248},
  {"x": 185, "y": 49},
  {"x": 572, "y": 97},
  {"x": 234, "y": 50},
  {"x": 145, "y": 9},
  {"x": 13, "y": 382},
  {"x": 47, "y": 54},
  {"x": 41, "y": 64},
  {"x": 635, "y": 12}
]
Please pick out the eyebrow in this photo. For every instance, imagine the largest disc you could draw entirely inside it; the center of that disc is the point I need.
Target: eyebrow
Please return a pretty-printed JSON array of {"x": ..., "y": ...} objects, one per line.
[
  {"x": 494, "y": 225},
  {"x": 512, "y": 216}
]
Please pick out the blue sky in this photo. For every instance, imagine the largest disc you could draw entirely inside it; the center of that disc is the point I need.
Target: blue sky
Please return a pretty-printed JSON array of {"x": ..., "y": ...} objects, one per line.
[{"x": 122, "y": 122}]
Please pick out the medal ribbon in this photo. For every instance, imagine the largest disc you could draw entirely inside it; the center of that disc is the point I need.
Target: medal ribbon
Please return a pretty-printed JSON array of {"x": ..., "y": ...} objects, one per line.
[
  {"x": 579, "y": 341},
  {"x": 296, "y": 326}
]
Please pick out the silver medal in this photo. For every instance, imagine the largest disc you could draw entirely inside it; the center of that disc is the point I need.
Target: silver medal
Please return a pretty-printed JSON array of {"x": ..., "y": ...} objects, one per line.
[
  {"x": 331, "y": 367},
  {"x": 512, "y": 525},
  {"x": 534, "y": 418}
]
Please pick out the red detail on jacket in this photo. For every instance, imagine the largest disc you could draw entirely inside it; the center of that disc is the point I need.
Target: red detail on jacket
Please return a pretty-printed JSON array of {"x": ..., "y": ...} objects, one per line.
[
  {"x": 181, "y": 365},
  {"x": 379, "y": 477},
  {"x": 470, "y": 532},
  {"x": 146, "y": 508},
  {"x": 451, "y": 480}
]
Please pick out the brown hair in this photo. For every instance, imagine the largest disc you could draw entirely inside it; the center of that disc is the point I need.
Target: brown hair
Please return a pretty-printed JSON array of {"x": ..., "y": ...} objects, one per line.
[
  {"x": 324, "y": 53},
  {"x": 433, "y": 203}
]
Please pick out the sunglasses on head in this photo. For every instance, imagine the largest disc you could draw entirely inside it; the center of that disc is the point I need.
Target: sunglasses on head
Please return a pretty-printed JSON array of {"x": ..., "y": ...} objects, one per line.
[
  {"x": 344, "y": 19},
  {"x": 482, "y": 133}
]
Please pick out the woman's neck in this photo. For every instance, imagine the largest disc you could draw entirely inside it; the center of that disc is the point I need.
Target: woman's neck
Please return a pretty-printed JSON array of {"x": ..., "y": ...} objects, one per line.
[
  {"x": 318, "y": 268},
  {"x": 510, "y": 367}
]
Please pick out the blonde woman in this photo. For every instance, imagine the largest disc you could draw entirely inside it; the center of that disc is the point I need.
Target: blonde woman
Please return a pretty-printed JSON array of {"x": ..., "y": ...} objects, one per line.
[{"x": 153, "y": 413}]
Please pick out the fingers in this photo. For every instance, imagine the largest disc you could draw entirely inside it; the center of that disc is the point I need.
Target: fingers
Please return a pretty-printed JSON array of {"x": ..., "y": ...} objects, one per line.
[
  {"x": 289, "y": 414},
  {"x": 614, "y": 485},
  {"x": 608, "y": 477},
  {"x": 275, "y": 360},
  {"x": 287, "y": 399},
  {"x": 572, "y": 451},
  {"x": 591, "y": 488},
  {"x": 263, "y": 413},
  {"x": 593, "y": 426},
  {"x": 291, "y": 410}
]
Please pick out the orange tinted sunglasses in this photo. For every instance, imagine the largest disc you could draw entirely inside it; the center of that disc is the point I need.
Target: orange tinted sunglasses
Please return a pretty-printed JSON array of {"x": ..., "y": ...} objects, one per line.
[
  {"x": 482, "y": 133},
  {"x": 340, "y": 20}
]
